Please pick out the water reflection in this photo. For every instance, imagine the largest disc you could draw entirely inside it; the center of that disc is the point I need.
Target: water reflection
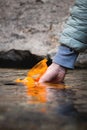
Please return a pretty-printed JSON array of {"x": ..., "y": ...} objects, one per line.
[
  {"x": 54, "y": 99},
  {"x": 45, "y": 106},
  {"x": 41, "y": 92},
  {"x": 37, "y": 94},
  {"x": 53, "y": 95}
]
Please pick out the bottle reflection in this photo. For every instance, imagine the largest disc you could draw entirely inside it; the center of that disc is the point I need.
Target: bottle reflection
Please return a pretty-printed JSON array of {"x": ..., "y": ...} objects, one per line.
[{"x": 40, "y": 92}]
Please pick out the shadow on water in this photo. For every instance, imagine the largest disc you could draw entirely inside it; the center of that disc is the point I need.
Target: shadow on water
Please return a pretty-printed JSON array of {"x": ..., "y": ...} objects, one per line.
[{"x": 45, "y": 107}]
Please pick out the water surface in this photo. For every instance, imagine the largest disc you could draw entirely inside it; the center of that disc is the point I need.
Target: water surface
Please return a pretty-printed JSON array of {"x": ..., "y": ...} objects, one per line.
[{"x": 46, "y": 107}]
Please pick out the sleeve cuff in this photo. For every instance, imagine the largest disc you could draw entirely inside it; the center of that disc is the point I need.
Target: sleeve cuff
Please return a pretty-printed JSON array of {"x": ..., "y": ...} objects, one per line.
[{"x": 65, "y": 57}]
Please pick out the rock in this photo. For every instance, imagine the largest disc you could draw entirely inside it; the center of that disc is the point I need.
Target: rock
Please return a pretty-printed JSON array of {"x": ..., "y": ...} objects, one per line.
[
  {"x": 33, "y": 26},
  {"x": 81, "y": 60},
  {"x": 20, "y": 59}
]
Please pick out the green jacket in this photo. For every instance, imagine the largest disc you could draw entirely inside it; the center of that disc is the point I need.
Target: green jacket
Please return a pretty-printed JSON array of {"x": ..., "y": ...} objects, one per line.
[{"x": 75, "y": 32}]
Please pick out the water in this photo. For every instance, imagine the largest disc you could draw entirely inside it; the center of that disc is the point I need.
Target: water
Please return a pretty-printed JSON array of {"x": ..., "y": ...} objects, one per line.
[{"x": 43, "y": 108}]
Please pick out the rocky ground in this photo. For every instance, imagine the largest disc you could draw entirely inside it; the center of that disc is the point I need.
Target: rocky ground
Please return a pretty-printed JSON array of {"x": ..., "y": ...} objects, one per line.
[{"x": 34, "y": 25}]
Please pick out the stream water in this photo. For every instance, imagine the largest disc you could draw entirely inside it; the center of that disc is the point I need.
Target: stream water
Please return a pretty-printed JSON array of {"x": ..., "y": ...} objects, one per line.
[{"x": 44, "y": 108}]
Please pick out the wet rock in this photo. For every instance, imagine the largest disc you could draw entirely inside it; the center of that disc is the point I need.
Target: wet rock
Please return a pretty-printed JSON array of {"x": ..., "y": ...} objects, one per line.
[
  {"x": 25, "y": 59},
  {"x": 20, "y": 59}
]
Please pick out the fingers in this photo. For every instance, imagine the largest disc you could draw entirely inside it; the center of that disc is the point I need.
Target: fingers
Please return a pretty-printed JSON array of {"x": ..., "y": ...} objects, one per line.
[
  {"x": 59, "y": 78},
  {"x": 55, "y": 73},
  {"x": 48, "y": 76}
]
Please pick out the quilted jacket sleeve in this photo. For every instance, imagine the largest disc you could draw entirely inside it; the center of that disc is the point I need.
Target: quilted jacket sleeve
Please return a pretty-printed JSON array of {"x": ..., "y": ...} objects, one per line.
[{"x": 74, "y": 34}]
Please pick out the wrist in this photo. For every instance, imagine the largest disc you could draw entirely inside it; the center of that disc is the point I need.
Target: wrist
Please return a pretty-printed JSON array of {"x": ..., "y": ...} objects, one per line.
[{"x": 58, "y": 67}]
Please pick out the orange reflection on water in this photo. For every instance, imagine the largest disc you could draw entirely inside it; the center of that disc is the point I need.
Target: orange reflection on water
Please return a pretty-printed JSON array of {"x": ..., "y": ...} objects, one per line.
[{"x": 37, "y": 92}]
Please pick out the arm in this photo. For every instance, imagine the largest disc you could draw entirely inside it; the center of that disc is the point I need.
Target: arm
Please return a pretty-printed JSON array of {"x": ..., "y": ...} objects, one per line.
[
  {"x": 64, "y": 59},
  {"x": 74, "y": 36}
]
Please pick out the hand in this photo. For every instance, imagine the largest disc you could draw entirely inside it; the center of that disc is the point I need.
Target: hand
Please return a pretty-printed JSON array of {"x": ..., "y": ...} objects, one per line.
[{"x": 55, "y": 74}]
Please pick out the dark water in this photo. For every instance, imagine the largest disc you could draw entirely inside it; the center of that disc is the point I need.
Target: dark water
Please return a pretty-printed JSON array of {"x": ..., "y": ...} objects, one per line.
[{"x": 43, "y": 108}]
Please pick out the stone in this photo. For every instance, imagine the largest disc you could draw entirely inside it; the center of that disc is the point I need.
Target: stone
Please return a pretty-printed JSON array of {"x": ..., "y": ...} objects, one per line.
[
  {"x": 33, "y": 26},
  {"x": 81, "y": 60},
  {"x": 20, "y": 59}
]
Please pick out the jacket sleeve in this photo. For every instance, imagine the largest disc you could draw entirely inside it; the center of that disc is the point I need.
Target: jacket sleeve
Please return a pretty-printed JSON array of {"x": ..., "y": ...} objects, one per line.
[
  {"x": 74, "y": 34},
  {"x": 65, "y": 57}
]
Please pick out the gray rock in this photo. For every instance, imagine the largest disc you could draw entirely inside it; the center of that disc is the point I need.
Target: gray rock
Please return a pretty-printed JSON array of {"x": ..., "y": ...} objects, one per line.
[
  {"x": 20, "y": 59},
  {"x": 34, "y": 26},
  {"x": 81, "y": 60},
  {"x": 29, "y": 25}
]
